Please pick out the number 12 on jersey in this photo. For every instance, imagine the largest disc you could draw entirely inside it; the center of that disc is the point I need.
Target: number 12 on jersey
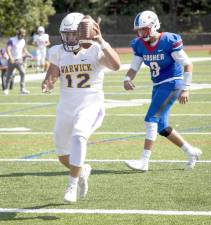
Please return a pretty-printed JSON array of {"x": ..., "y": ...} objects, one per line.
[{"x": 82, "y": 80}]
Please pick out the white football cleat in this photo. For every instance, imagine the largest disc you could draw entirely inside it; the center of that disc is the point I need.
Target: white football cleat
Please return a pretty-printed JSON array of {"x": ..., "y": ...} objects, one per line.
[
  {"x": 83, "y": 180},
  {"x": 141, "y": 165},
  {"x": 193, "y": 157},
  {"x": 6, "y": 92},
  {"x": 71, "y": 194},
  {"x": 24, "y": 92}
]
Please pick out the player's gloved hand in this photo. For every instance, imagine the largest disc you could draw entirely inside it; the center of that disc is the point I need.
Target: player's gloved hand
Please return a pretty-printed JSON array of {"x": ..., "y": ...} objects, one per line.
[{"x": 183, "y": 97}]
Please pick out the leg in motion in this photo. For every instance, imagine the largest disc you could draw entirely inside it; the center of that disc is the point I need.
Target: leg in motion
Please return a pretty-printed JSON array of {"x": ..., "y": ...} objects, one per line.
[
  {"x": 143, "y": 163},
  {"x": 79, "y": 172},
  {"x": 192, "y": 153}
]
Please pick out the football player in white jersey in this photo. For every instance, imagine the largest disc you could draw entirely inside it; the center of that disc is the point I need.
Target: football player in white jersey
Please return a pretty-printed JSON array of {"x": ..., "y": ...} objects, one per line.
[
  {"x": 80, "y": 110},
  {"x": 41, "y": 41}
]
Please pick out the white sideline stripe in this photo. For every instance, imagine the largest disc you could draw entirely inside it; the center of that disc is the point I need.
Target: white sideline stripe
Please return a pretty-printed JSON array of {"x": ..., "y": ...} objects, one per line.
[
  {"x": 116, "y": 114},
  {"x": 110, "y": 93},
  {"x": 138, "y": 89},
  {"x": 100, "y": 160},
  {"x": 100, "y": 133},
  {"x": 18, "y": 129},
  {"x": 51, "y": 103},
  {"x": 107, "y": 211},
  {"x": 27, "y": 103}
]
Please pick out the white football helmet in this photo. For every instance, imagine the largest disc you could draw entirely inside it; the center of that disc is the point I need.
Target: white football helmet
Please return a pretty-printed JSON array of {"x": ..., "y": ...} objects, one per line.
[
  {"x": 147, "y": 19},
  {"x": 70, "y": 25},
  {"x": 41, "y": 29}
]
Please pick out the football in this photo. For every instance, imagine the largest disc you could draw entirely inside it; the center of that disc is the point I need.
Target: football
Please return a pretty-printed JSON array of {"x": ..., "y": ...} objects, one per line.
[{"x": 86, "y": 31}]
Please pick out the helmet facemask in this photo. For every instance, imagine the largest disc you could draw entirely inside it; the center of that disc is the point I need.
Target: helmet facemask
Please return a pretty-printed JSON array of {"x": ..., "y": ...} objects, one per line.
[
  {"x": 69, "y": 33},
  {"x": 70, "y": 41}
]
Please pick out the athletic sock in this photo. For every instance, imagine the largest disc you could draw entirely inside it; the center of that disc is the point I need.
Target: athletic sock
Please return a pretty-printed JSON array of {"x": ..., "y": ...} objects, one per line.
[
  {"x": 187, "y": 148},
  {"x": 146, "y": 155},
  {"x": 73, "y": 180}
]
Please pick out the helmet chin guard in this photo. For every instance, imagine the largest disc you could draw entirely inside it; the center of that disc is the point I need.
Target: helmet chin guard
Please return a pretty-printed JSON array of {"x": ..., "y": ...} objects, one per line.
[{"x": 69, "y": 27}]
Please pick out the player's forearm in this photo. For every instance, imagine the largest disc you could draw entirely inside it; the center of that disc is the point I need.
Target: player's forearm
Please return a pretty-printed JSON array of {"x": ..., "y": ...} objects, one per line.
[
  {"x": 112, "y": 59},
  {"x": 53, "y": 72},
  {"x": 130, "y": 75},
  {"x": 188, "y": 68},
  {"x": 9, "y": 54},
  {"x": 26, "y": 52},
  {"x": 50, "y": 79},
  {"x": 187, "y": 75}
]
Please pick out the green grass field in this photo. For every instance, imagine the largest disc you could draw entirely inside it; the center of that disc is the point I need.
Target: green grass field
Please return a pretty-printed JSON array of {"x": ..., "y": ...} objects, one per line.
[{"x": 165, "y": 195}]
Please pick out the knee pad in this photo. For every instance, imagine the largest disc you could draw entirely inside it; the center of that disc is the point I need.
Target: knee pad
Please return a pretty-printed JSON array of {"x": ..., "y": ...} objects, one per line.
[
  {"x": 151, "y": 130},
  {"x": 166, "y": 132},
  {"x": 78, "y": 150}
]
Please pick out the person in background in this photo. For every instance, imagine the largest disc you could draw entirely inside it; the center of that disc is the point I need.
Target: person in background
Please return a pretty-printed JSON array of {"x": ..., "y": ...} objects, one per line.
[
  {"x": 80, "y": 110},
  {"x": 171, "y": 75},
  {"x": 3, "y": 67},
  {"x": 41, "y": 41},
  {"x": 15, "y": 50}
]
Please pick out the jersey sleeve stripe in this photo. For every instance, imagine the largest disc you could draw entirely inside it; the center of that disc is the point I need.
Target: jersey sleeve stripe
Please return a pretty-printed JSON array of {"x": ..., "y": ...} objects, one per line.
[{"x": 177, "y": 44}]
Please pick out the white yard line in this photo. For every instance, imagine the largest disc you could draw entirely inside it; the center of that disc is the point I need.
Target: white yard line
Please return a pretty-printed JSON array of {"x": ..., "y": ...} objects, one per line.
[
  {"x": 98, "y": 160},
  {"x": 107, "y": 211},
  {"x": 99, "y": 133},
  {"x": 51, "y": 103},
  {"x": 106, "y": 93},
  {"x": 16, "y": 129},
  {"x": 27, "y": 103},
  {"x": 114, "y": 114}
]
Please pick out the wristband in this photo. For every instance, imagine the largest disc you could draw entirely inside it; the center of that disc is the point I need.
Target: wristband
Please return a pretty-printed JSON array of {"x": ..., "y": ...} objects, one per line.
[
  {"x": 187, "y": 77},
  {"x": 186, "y": 88},
  {"x": 127, "y": 78},
  {"x": 104, "y": 45}
]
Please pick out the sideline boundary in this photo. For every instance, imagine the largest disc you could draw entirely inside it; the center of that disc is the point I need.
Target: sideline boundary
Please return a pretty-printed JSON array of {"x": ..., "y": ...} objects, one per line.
[
  {"x": 107, "y": 211},
  {"x": 97, "y": 160}
]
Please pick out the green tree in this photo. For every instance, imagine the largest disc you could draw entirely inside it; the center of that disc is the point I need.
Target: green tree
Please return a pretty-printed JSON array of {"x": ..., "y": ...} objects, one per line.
[{"x": 24, "y": 13}]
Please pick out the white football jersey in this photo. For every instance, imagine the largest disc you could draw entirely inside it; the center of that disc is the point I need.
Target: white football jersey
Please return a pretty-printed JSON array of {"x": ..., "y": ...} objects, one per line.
[
  {"x": 81, "y": 109},
  {"x": 81, "y": 72},
  {"x": 40, "y": 40}
]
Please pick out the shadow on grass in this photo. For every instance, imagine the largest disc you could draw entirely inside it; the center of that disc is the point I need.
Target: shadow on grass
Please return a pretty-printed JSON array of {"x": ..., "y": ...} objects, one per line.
[
  {"x": 94, "y": 172},
  {"x": 44, "y": 174},
  {"x": 8, "y": 216},
  {"x": 13, "y": 216},
  {"x": 130, "y": 171},
  {"x": 64, "y": 173}
]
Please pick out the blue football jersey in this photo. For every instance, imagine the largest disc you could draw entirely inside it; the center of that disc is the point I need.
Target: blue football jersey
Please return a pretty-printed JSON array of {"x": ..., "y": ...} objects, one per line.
[{"x": 158, "y": 58}]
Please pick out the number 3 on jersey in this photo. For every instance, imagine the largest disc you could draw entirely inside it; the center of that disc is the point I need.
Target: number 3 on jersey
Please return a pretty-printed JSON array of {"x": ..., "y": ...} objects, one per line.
[
  {"x": 83, "y": 79},
  {"x": 155, "y": 69}
]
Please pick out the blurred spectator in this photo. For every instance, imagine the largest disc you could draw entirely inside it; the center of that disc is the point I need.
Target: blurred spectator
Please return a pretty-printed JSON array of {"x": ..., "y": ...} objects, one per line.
[
  {"x": 3, "y": 67},
  {"x": 41, "y": 41},
  {"x": 15, "y": 50}
]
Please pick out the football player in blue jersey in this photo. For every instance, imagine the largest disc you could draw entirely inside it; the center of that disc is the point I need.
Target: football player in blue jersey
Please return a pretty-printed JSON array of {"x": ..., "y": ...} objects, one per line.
[{"x": 171, "y": 75}]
